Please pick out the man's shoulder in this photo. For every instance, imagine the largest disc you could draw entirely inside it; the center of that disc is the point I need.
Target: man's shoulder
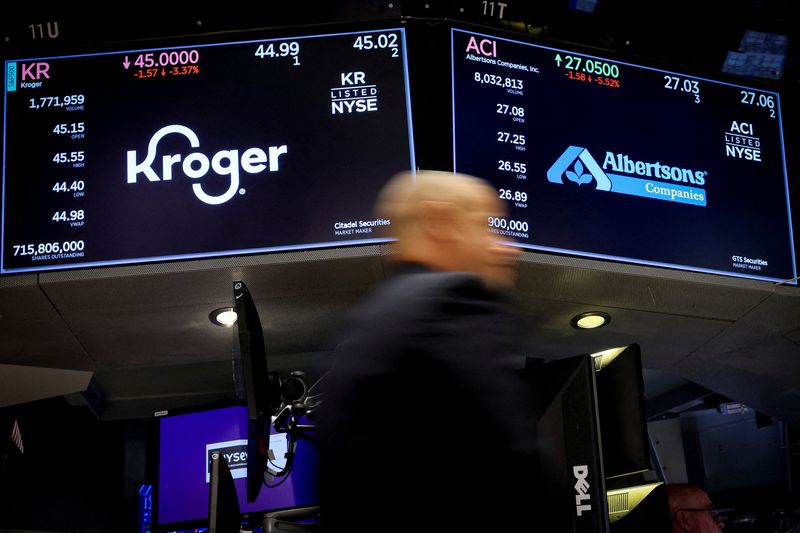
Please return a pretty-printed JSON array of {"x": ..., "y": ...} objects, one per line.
[
  {"x": 402, "y": 316},
  {"x": 411, "y": 293},
  {"x": 432, "y": 303},
  {"x": 434, "y": 283}
]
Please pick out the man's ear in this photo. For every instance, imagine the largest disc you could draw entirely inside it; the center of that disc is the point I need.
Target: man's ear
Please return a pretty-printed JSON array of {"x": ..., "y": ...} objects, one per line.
[
  {"x": 682, "y": 520},
  {"x": 439, "y": 220}
]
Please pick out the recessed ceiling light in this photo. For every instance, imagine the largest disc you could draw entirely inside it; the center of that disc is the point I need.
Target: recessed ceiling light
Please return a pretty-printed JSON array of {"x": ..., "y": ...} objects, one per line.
[
  {"x": 590, "y": 320},
  {"x": 224, "y": 316}
]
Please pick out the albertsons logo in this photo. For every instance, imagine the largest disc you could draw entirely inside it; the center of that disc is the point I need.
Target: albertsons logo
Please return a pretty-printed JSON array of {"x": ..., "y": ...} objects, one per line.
[
  {"x": 577, "y": 165},
  {"x": 580, "y": 167}
]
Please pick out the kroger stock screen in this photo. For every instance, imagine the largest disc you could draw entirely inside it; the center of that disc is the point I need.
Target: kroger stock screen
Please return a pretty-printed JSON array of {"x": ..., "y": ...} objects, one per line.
[
  {"x": 193, "y": 151},
  {"x": 608, "y": 159}
]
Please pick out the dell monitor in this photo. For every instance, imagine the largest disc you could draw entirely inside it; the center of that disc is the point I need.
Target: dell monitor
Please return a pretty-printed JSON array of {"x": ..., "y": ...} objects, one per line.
[
  {"x": 570, "y": 450},
  {"x": 620, "y": 397},
  {"x": 591, "y": 428},
  {"x": 639, "y": 508}
]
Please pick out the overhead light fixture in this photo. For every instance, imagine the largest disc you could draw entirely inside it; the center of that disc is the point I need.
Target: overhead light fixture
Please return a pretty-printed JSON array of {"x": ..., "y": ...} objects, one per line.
[
  {"x": 224, "y": 316},
  {"x": 590, "y": 320}
]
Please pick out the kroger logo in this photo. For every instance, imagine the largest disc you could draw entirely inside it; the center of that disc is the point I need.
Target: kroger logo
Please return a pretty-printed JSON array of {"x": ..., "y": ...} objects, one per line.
[{"x": 196, "y": 165}]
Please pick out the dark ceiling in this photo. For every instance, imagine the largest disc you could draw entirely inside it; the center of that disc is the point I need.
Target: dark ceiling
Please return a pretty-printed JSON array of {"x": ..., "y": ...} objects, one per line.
[
  {"x": 683, "y": 32},
  {"x": 142, "y": 333},
  {"x": 144, "y": 330}
]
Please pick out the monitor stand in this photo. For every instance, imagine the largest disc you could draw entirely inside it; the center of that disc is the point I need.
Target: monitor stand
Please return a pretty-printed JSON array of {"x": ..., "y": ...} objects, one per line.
[{"x": 298, "y": 520}]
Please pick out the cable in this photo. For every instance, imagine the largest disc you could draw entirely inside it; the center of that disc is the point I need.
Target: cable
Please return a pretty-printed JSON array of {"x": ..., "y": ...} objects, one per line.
[
  {"x": 276, "y": 466},
  {"x": 323, "y": 376},
  {"x": 287, "y": 470},
  {"x": 286, "y": 420},
  {"x": 285, "y": 475}
]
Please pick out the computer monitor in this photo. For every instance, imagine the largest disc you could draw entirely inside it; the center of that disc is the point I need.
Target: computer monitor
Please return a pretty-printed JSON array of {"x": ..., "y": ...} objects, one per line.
[
  {"x": 223, "y": 504},
  {"x": 570, "y": 453},
  {"x": 591, "y": 427},
  {"x": 262, "y": 387},
  {"x": 186, "y": 442},
  {"x": 639, "y": 508},
  {"x": 620, "y": 397}
]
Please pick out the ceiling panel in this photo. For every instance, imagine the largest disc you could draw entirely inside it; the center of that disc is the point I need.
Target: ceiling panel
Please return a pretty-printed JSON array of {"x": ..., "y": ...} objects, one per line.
[
  {"x": 145, "y": 330},
  {"x": 664, "y": 338},
  {"x": 620, "y": 285},
  {"x": 31, "y": 330},
  {"x": 764, "y": 376}
]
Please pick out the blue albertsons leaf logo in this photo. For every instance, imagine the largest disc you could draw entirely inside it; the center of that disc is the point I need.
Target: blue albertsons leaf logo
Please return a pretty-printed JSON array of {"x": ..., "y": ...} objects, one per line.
[
  {"x": 581, "y": 161},
  {"x": 577, "y": 174}
]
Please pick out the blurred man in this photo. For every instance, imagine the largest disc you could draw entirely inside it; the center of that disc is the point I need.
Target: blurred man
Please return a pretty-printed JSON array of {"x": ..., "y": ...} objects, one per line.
[
  {"x": 423, "y": 424},
  {"x": 440, "y": 220},
  {"x": 691, "y": 510}
]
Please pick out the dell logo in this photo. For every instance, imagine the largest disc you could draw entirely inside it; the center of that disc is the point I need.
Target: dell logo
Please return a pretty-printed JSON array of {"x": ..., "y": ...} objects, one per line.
[
  {"x": 582, "y": 495},
  {"x": 197, "y": 164}
]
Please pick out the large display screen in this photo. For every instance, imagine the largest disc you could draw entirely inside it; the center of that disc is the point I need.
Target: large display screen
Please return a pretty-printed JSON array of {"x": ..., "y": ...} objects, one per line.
[
  {"x": 185, "y": 446},
  {"x": 201, "y": 150},
  {"x": 607, "y": 159}
]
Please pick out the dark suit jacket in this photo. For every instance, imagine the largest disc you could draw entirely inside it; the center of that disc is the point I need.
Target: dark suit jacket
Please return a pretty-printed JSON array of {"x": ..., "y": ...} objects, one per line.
[{"x": 423, "y": 425}]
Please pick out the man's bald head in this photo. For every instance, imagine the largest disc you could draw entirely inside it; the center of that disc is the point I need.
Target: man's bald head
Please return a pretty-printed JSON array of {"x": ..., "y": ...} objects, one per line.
[
  {"x": 681, "y": 496},
  {"x": 691, "y": 510},
  {"x": 440, "y": 219},
  {"x": 406, "y": 198}
]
